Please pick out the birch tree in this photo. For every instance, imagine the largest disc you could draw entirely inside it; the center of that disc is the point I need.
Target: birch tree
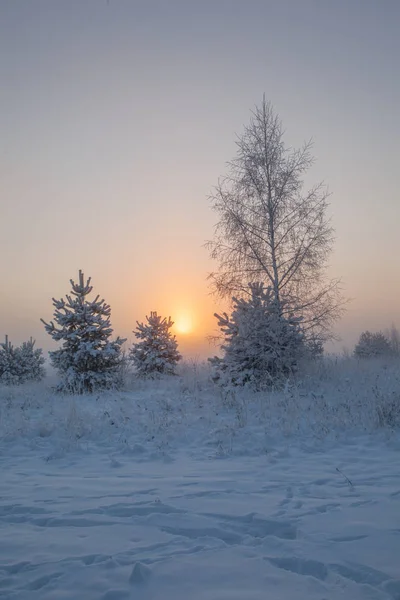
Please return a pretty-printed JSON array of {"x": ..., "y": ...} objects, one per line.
[{"x": 272, "y": 230}]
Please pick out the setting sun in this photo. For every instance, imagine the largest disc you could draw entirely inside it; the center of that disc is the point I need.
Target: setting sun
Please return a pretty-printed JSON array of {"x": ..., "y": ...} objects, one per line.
[{"x": 184, "y": 323}]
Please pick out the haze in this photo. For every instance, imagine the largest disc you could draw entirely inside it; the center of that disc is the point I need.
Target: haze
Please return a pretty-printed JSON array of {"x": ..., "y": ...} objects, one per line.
[{"x": 117, "y": 118}]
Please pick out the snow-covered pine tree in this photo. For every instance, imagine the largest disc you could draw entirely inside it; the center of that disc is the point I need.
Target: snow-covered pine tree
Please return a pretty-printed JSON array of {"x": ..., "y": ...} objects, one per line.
[
  {"x": 21, "y": 364},
  {"x": 372, "y": 345},
  {"x": 157, "y": 352},
  {"x": 88, "y": 360},
  {"x": 31, "y": 361},
  {"x": 262, "y": 346},
  {"x": 9, "y": 372}
]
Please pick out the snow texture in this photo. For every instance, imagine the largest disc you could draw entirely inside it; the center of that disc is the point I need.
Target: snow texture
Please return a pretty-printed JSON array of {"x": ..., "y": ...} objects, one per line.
[{"x": 172, "y": 491}]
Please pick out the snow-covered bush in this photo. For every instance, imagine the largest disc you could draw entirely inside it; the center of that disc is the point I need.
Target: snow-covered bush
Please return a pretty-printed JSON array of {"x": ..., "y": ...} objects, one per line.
[
  {"x": 372, "y": 345},
  {"x": 21, "y": 364},
  {"x": 157, "y": 351},
  {"x": 262, "y": 346},
  {"x": 88, "y": 360}
]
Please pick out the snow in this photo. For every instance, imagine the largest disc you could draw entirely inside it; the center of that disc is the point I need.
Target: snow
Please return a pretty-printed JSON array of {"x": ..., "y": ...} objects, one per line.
[{"x": 170, "y": 490}]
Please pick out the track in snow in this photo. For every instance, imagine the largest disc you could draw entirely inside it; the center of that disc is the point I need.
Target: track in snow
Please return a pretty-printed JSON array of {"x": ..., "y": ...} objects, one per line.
[{"x": 99, "y": 527}]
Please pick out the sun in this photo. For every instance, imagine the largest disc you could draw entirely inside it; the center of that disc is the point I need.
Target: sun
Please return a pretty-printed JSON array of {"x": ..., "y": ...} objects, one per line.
[{"x": 184, "y": 323}]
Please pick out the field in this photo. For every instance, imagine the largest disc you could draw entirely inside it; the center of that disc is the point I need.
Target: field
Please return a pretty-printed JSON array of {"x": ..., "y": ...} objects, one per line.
[{"x": 174, "y": 489}]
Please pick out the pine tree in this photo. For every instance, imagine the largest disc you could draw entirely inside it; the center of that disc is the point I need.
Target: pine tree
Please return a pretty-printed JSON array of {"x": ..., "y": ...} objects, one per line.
[
  {"x": 88, "y": 360},
  {"x": 372, "y": 345},
  {"x": 157, "y": 352},
  {"x": 21, "y": 364},
  {"x": 31, "y": 361},
  {"x": 262, "y": 346},
  {"x": 9, "y": 372}
]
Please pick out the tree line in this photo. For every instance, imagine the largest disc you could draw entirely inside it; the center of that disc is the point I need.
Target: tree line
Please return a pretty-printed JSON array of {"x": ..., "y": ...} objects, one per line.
[{"x": 272, "y": 243}]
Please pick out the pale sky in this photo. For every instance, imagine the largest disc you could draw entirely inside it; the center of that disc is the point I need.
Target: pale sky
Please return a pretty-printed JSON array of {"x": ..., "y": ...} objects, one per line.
[{"x": 118, "y": 116}]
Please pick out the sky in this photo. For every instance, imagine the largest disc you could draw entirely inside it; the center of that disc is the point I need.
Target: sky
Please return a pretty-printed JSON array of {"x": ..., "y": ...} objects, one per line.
[{"x": 118, "y": 117}]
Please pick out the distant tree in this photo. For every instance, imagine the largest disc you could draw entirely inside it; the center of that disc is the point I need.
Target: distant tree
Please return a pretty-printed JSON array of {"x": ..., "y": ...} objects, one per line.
[
  {"x": 271, "y": 230},
  {"x": 21, "y": 364},
  {"x": 371, "y": 345},
  {"x": 393, "y": 335},
  {"x": 87, "y": 360},
  {"x": 157, "y": 351},
  {"x": 261, "y": 346}
]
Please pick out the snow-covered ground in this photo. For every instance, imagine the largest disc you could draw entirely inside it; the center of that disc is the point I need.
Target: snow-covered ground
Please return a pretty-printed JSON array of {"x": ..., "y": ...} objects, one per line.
[{"x": 172, "y": 490}]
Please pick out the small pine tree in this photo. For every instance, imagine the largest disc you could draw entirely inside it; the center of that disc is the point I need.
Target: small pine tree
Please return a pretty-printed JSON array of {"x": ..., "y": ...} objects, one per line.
[
  {"x": 372, "y": 345},
  {"x": 157, "y": 352},
  {"x": 88, "y": 360},
  {"x": 31, "y": 361},
  {"x": 262, "y": 346},
  {"x": 21, "y": 364},
  {"x": 9, "y": 372}
]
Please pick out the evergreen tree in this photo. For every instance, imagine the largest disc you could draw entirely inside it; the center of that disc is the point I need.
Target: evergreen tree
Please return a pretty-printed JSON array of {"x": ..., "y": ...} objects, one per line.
[
  {"x": 87, "y": 360},
  {"x": 9, "y": 371},
  {"x": 21, "y": 364},
  {"x": 262, "y": 345},
  {"x": 372, "y": 345},
  {"x": 31, "y": 361},
  {"x": 157, "y": 351}
]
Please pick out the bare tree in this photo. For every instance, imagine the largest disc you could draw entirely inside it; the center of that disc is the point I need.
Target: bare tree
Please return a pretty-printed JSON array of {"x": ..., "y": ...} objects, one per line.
[
  {"x": 393, "y": 335},
  {"x": 270, "y": 230}
]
